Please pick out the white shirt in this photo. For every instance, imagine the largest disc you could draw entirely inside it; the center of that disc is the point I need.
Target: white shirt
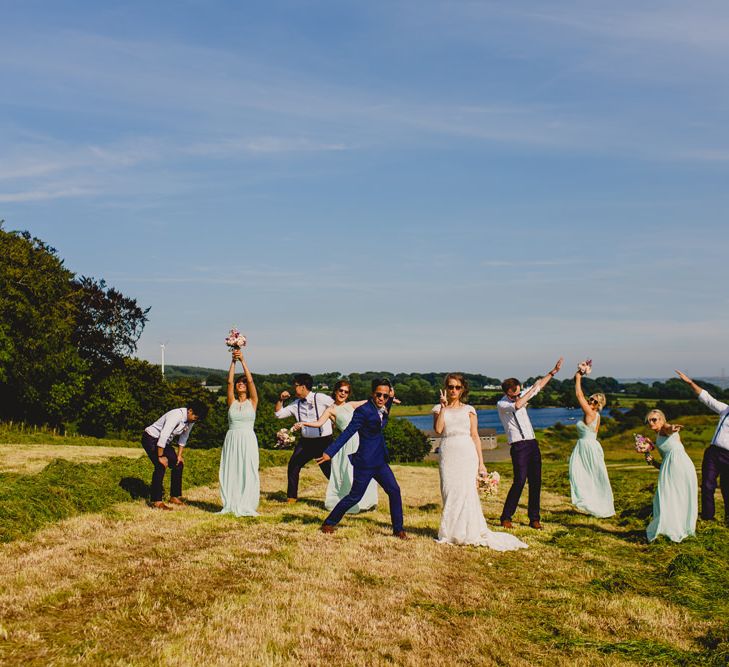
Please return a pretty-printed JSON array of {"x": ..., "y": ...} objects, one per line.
[
  {"x": 309, "y": 409},
  {"x": 169, "y": 425},
  {"x": 516, "y": 423},
  {"x": 721, "y": 435}
]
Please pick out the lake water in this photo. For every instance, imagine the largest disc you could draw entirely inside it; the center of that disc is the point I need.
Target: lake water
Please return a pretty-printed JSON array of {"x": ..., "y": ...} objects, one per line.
[{"x": 540, "y": 418}]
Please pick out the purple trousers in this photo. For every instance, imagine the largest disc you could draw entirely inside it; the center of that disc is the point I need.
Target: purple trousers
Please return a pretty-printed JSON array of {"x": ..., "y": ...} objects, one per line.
[
  {"x": 150, "y": 446},
  {"x": 715, "y": 464},
  {"x": 526, "y": 461}
]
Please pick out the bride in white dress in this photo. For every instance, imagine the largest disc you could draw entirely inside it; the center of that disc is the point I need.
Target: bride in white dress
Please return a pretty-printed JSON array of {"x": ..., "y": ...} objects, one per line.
[{"x": 461, "y": 462}]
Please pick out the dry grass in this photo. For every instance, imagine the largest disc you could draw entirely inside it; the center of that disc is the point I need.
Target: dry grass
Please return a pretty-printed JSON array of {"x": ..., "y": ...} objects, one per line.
[
  {"x": 22, "y": 458},
  {"x": 134, "y": 586}
]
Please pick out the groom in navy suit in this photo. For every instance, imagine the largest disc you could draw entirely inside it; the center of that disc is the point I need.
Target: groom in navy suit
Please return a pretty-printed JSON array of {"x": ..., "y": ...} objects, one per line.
[{"x": 370, "y": 459}]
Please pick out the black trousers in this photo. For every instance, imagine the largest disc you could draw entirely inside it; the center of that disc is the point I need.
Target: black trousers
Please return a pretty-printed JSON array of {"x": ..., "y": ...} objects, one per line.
[
  {"x": 150, "y": 446},
  {"x": 307, "y": 449},
  {"x": 715, "y": 464},
  {"x": 526, "y": 461}
]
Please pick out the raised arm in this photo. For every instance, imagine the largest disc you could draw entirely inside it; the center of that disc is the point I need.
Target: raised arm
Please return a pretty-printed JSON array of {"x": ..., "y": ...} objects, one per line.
[
  {"x": 538, "y": 386},
  {"x": 589, "y": 411},
  {"x": 231, "y": 381},
  {"x": 439, "y": 417},
  {"x": 252, "y": 391},
  {"x": 689, "y": 382}
]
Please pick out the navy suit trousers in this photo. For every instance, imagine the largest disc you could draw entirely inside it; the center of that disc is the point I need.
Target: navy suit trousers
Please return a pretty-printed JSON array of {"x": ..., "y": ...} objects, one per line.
[
  {"x": 526, "y": 461},
  {"x": 384, "y": 476},
  {"x": 150, "y": 446},
  {"x": 715, "y": 464}
]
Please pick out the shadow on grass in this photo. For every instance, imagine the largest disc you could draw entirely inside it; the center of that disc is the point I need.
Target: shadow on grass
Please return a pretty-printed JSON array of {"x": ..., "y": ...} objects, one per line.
[
  {"x": 299, "y": 518},
  {"x": 205, "y": 506},
  {"x": 135, "y": 487}
]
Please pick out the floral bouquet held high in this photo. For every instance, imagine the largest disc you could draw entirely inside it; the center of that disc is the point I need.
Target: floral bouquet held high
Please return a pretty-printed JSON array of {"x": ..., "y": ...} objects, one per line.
[
  {"x": 489, "y": 484},
  {"x": 285, "y": 438},
  {"x": 235, "y": 340},
  {"x": 585, "y": 367}
]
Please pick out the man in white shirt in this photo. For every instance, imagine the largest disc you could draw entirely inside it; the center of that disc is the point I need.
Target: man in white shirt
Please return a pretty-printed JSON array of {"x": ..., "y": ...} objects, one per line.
[
  {"x": 716, "y": 456},
  {"x": 526, "y": 459},
  {"x": 308, "y": 407},
  {"x": 157, "y": 442}
]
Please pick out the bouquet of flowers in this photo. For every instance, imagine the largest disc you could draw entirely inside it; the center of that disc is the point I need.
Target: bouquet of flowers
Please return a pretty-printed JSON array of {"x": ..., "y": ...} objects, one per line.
[
  {"x": 285, "y": 438},
  {"x": 643, "y": 445},
  {"x": 489, "y": 484},
  {"x": 235, "y": 339},
  {"x": 585, "y": 367}
]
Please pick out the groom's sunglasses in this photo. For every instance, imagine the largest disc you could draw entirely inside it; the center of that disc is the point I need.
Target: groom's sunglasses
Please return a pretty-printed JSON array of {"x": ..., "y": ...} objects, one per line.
[{"x": 381, "y": 394}]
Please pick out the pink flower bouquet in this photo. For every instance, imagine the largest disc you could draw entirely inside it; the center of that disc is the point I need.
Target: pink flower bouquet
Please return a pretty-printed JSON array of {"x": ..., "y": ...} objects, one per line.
[
  {"x": 235, "y": 340},
  {"x": 285, "y": 438},
  {"x": 643, "y": 445},
  {"x": 585, "y": 367},
  {"x": 489, "y": 484}
]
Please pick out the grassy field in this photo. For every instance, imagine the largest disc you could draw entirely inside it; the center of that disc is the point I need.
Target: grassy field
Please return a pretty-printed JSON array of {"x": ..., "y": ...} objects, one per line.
[{"x": 126, "y": 585}]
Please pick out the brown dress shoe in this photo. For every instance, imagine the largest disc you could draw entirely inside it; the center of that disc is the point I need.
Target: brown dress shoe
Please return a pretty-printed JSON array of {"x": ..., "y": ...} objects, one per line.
[
  {"x": 327, "y": 528},
  {"x": 535, "y": 524},
  {"x": 159, "y": 505},
  {"x": 291, "y": 500},
  {"x": 401, "y": 535},
  {"x": 177, "y": 501},
  {"x": 505, "y": 523}
]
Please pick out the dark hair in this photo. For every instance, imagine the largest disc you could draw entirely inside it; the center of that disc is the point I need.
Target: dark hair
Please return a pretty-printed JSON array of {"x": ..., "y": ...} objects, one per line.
[
  {"x": 381, "y": 382},
  {"x": 304, "y": 379},
  {"x": 462, "y": 380},
  {"x": 198, "y": 407},
  {"x": 342, "y": 383},
  {"x": 509, "y": 383},
  {"x": 241, "y": 378}
]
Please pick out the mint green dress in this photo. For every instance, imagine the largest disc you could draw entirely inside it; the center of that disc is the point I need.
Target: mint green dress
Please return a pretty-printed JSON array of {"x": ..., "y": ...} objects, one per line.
[
  {"x": 589, "y": 482},
  {"x": 675, "y": 504},
  {"x": 240, "y": 488},
  {"x": 340, "y": 479}
]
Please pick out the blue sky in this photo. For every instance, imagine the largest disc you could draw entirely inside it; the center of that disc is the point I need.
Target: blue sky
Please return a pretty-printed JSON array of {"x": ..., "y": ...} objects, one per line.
[{"x": 384, "y": 185}]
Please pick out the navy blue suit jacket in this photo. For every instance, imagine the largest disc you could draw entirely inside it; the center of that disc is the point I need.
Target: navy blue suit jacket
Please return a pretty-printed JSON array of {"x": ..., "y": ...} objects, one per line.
[{"x": 372, "y": 451}]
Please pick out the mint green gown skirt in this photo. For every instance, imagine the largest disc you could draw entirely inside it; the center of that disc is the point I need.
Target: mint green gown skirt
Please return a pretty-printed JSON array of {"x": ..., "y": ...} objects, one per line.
[
  {"x": 240, "y": 488},
  {"x": 589, "y": 482},
  {"x": 676, "y": 501},
  {"x": 340, "y": 480}
]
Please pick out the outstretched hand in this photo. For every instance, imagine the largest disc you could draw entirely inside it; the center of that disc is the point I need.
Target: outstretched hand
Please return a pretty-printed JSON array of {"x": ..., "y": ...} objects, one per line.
[
  {"x": 557, "y": 366},
  {"x": 323, "y": 459},
  {"x": 284, "y": 395},
  {"x": 684, "y": 377}
]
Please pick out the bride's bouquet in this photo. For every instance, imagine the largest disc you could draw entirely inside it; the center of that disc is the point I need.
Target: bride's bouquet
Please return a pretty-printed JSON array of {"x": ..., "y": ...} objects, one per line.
[
  {"x": 643, "y": 445},
  {"x": 489, "y": 484},
  {"x": 585, "y": 367},
  {"x": 235, "y": 339},
  {"x": 285, "y": 438}
]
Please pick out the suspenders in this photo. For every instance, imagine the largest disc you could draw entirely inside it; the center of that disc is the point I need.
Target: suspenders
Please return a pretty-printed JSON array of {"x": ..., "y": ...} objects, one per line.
[
  {"x": 518, "y": 425},
  {"x": 316, "y": 410}
]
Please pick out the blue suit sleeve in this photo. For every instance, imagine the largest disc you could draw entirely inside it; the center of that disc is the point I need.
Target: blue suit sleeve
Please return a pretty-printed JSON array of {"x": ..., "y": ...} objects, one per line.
[{"x": 357, "y": 421}]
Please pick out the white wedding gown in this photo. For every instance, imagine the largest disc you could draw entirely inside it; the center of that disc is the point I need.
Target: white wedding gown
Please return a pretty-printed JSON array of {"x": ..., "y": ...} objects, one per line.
[{"x": 462, "y": 521}]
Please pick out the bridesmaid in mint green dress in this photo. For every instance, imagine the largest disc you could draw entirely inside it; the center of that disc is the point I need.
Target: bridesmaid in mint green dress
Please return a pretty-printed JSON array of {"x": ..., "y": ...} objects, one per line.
[
  {"x": 340, "y": 480},
  {"x": 239, "y": 483},
  {"x": 675, "y": 503},
  {"x": 589, "y": 482}
]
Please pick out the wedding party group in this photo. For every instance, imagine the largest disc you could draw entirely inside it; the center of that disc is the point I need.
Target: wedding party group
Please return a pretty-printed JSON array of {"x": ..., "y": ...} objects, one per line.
[{"x": 357, "y": 461}]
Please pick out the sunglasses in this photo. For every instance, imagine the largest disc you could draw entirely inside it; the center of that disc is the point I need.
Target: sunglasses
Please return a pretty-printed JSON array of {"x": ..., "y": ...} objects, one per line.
[
  {"x": 382, "y": 394},
  {"x": 652, "y": 420},
  {"x": 457, "y": 387},
  {"x": 342, "y": 391}
]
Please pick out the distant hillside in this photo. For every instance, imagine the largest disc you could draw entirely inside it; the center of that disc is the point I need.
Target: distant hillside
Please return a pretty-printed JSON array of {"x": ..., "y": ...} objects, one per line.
[{"x": 191, "y": 372}]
